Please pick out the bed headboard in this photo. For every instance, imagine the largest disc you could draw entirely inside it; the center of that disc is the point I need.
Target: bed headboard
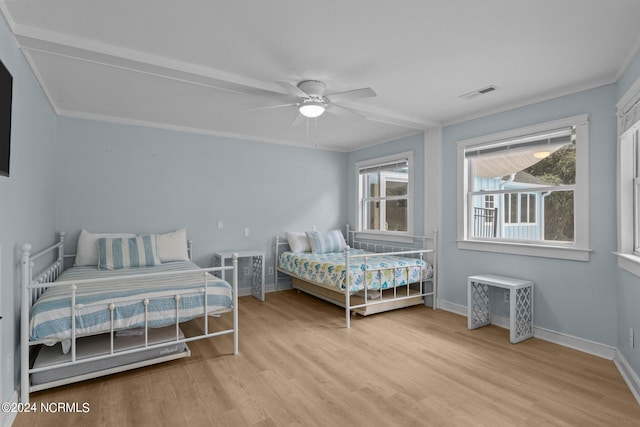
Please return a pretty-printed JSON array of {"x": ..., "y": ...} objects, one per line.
[{"x": 48, "y": 273}]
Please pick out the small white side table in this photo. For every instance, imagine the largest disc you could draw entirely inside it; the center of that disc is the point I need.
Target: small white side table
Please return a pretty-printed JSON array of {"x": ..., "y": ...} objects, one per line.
[
  {"x": 520, "y": 304},
  {"x": 257, "y": 270}
]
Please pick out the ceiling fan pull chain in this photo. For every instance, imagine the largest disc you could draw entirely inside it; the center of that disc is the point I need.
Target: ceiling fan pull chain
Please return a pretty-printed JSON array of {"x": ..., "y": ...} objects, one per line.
[{"x": 307, "y": 133}]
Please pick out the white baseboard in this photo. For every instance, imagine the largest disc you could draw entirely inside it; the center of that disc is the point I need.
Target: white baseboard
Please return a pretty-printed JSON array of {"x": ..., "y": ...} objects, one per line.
[
  {"x": 454, "y": 308},
  {"x": 9, "y": 417},
  {"x": 629, "y": 375},
  {"x": 565, "y": 340},
  {"x": 243, "y": 292},
  {"x": 597, "y": 349}
]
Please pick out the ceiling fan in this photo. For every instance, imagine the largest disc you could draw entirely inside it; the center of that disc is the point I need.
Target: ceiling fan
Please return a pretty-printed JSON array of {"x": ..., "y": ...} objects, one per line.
[{"x": 311, "y": 101}]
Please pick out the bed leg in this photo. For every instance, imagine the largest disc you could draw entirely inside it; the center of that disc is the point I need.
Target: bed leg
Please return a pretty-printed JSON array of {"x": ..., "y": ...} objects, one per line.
[
  {"x": 24, "y": 324},
  {"x": 234, "y": 258},
  {"x": 347, "y": 296}
]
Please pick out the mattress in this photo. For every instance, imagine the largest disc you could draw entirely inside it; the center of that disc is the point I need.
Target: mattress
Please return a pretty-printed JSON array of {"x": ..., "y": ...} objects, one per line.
[
  {"x": 50, "y": 318},
  {"x": 380, "y": 272},
  {"x": 98, "y": 345}
]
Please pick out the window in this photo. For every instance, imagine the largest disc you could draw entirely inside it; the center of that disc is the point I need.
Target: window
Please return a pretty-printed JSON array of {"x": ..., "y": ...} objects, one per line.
[
  {"x": 520, "y": 210},
  {"x": 629, "y": 180},
  {"x": 629, "y": 192},
  {"x": 384, "y": 194},
  {"x": 525, "y": 191},
  {"x": 489, "y": 202}
]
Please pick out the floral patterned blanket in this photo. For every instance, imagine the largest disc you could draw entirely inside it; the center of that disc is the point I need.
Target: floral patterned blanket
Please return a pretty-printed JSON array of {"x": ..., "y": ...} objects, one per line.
[{"x": 380, "y": 271}]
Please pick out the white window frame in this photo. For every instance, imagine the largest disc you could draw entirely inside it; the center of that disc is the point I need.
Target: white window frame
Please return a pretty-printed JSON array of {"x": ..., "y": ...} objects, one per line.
[
  {"x": 384, "y": 234},
  {"x": 628, "y": 182},
  {"x": 579, "y": 250}
]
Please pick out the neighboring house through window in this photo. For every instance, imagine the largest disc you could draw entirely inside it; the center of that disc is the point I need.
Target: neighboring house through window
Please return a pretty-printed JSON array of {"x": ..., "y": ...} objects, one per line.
[
  {"x": 384, "y": 191},
  {"x": 525, "y": 191}
]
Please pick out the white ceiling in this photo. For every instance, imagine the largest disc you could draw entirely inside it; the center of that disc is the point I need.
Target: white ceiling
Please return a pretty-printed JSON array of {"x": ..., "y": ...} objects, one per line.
[{"x": 198, "y": 65}]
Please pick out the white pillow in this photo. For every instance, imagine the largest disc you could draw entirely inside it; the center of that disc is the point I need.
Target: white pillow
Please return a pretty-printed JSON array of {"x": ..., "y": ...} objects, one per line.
[
  {"x": 172, "y": 246},
  {"x": 298, "y": 242},
  {"x": 87, "y": 249}
]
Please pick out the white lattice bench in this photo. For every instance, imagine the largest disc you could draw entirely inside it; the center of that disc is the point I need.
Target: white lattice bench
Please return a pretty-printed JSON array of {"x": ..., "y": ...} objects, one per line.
[{"x": 520, "y": 304}]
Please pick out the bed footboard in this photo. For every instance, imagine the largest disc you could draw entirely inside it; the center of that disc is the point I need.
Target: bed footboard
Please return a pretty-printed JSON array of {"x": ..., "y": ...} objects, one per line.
[{"x": 34, "y": 287}]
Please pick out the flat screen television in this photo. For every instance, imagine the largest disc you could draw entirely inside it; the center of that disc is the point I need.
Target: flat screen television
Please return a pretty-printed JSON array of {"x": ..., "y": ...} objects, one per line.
[{"x": 6, "y": 91}]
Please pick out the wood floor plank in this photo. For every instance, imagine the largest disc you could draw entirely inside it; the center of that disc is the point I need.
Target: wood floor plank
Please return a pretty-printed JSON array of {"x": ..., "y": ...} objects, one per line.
[{"x": 299, "y": 366}]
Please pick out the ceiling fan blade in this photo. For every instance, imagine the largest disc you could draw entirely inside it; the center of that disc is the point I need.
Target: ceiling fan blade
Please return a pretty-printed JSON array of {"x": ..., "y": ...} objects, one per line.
[
  {"x": 298, "y": 120},
  {"x": 293, "y": 90},
  {"x": 347, "y": 113},
  {"x": 269, "y": 107},
  {"x": 351, "y": 95}
]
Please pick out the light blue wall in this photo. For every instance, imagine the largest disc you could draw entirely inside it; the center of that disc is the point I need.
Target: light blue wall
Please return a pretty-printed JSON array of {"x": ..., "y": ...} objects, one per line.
[
  {"x": 413, "y": 143},
  {"x": 629, "y": 76},
  {"x": 574, "y": 298},
  {"x": 629, "y": 285},
  {"x": 27, "y": 204},
  {"x": 136, "y": 179}
]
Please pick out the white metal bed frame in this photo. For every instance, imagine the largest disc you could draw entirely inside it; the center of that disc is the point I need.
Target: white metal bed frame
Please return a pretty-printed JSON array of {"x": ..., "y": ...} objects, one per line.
[
  {"x": 378, "y": 248},
  {"x": 32, "y": 288}
]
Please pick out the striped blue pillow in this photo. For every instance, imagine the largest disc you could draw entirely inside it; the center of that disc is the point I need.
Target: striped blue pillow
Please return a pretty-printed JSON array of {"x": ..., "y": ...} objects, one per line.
[
  {"x": 323, "y": 242},
  {"x": 138, "y": 251}
]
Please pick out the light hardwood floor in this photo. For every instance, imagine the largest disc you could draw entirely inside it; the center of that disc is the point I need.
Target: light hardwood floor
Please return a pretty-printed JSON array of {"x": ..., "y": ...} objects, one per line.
[{"x": 299, "y": 366}]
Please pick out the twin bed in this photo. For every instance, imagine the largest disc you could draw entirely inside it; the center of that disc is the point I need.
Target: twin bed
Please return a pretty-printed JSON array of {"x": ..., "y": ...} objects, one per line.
[
  {"x": 362, "y": 276},
  {"x": 121, "y": 313}
]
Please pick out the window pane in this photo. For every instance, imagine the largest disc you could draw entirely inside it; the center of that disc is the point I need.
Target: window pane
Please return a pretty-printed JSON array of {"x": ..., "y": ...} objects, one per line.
[
  {"x": 396, "y": 188},
  {"x": 559, "y": 216},
  {"x": 371, "y": 220},
  {"x": 532, "y": 208},
  {"x": 513, "y": 211},
  {"x": 636, "y": 213},
  {"x": 636, "y": 216},
  {"x": 506, "y": 207},
  {"x": 489, "y": 202},
  {"x": 371, "y": 185},
  {"x": 516, "y": 216},
  {"x": 396, "y": 215},
  {"x": 524, "y": 208},
  {"x": 558, "y": 168},
  {"x": 485, "y": 218},
  {"x": 533, "y": 166}
]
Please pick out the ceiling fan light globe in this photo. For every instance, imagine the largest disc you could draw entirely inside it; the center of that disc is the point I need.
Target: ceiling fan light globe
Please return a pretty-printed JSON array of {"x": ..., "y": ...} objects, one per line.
[{"x": 312, "y": 109}]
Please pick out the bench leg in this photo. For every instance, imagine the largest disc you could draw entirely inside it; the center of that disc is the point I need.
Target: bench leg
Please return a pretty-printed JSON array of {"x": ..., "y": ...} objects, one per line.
[{"x": 478, "y": 305}]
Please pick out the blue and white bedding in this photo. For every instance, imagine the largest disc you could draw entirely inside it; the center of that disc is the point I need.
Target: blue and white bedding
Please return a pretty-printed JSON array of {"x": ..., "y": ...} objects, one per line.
[
  {"x": 380, "y": 272},
  {"x": 51, "y": 314}
]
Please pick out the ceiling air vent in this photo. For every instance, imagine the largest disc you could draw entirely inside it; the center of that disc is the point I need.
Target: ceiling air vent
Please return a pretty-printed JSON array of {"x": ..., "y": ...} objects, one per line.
[{"x": 478, "y": 92}]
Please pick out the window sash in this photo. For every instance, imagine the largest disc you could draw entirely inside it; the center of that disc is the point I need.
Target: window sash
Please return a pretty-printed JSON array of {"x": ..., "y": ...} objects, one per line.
[{"x": 372, "y": 205}]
